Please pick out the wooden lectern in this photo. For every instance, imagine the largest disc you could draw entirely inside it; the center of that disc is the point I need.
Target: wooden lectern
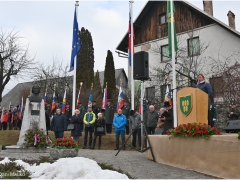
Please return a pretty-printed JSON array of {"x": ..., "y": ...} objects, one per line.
[{"x": 192, "y": 106}]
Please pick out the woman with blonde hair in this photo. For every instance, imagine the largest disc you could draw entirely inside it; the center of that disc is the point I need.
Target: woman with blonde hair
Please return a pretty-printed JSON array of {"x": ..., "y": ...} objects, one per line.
[{"x": 204, "y": 85}]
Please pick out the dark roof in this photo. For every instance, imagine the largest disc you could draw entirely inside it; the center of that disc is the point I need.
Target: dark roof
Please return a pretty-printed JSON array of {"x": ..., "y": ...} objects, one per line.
[{"x": 122, "y": 46}]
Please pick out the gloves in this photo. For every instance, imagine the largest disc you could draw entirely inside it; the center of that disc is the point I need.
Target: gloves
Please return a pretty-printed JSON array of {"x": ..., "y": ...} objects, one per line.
[{"x": 214, "y": 119}]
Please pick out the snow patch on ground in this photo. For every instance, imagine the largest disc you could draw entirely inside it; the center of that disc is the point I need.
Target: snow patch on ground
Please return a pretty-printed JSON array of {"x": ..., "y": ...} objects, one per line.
[{"x": 69, "y": 168}]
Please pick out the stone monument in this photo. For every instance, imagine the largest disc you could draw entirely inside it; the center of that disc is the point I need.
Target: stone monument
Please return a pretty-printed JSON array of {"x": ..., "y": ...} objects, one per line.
[{"x": 34, "y": 114}]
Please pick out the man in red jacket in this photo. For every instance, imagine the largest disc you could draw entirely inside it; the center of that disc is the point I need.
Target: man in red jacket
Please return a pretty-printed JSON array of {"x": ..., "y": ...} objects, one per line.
[{"x": 5, "y": 119}]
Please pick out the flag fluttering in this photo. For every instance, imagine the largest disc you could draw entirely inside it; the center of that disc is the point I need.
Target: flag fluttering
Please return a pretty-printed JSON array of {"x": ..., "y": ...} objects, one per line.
[
  {"x": 76, "y": 44},
  {"x": 105, "y": 99},
  {"x": 64, "y": 102},
  {"x": 79, "y": 97},
  {"x": 90, "y": 99},
  {"x": 130, "y": 36},
  {"x": 169, "y": 14},
  {"x": 45, "y": 99},
  {"x": 53, "y": 103},
  {"x": 120, "y": 99}
]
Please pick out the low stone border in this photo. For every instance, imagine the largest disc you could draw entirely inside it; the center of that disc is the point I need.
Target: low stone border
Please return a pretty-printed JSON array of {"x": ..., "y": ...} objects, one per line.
[{"x": 19, "y": 149}]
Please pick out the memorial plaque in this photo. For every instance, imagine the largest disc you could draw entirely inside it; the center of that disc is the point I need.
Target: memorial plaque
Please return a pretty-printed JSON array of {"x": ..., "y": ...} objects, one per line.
[{"x": 35, "y": 112}]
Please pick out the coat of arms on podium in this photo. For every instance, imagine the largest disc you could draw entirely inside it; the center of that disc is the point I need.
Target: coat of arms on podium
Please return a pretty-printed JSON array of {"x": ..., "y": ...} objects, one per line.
[{"x": 185, "y": 104}]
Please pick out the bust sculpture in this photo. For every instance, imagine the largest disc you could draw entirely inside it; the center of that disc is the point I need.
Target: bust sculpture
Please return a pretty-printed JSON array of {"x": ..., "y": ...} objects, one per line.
[{"x": 34, "y": 97}]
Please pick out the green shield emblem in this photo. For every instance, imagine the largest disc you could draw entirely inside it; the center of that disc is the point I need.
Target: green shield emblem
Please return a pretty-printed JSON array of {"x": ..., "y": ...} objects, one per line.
[{"x": 185, "y": 104}]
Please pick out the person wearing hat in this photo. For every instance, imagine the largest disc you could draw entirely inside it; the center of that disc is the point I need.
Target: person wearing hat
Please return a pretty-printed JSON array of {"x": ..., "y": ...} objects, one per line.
[
  {"x": 88, "y": 120},
  {"x": 234, "y": 112},
  {"x": 95, "y": 108},
  {"x": 77, "y": 120},
  {"x": 135, "y": 125},
  {"x": 168, "y": 120},
  {"x": 81, "y": 108}
]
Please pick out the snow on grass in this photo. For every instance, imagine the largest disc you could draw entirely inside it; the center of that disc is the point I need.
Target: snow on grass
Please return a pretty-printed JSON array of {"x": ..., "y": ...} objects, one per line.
[{"x": 69, "y": 168}]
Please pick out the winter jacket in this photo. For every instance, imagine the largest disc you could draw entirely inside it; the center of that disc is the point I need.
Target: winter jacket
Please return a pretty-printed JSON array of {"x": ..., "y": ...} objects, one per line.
[
  {"x": 68, "y": 114},
  {"x": 119, "y": 121},
  {"x": 47, "y": 118},
  {"x": 235, "y": 115},
  {"x": 109, "y": 114},
  {"x": 89, "y": 117},
  {"x": 126, "y": 112},
  {"x": 5, "y": 118},
  {"x": 77, "y": 120},
  {"x": 96, "y": 110},
  {"x": 168, "y": 123},
  {"x": 206, "y": 87},
  {"x": 99, "y": 123},
  {"x": 59, "y": 123},
  {"x": 82, "y": 110},
  {"x": 152, "y": 119},
  {"x": 135, "y": 121}
]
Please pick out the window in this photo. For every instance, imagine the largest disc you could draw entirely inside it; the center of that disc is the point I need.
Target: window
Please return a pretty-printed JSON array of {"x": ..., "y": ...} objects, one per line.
[
  {"x": 162, "y": 19},
  {"x": 165, "y": 53},
  {"x": 193, "y": 46},
  {"x": 150, "y": 93}
]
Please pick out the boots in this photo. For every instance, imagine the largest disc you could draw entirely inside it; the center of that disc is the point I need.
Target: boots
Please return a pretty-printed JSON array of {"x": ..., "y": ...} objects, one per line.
[
  {"x": 99, "y": 144},
  {"x": 117, "y": 143},
  {"x": 123, "y": 142},
  {"x": 94, "y": 142}
]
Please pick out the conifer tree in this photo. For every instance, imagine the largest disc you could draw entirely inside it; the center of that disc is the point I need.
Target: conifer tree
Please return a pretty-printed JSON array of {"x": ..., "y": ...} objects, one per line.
[
  {"x": 109, "y": 76},
  {"x": 97, "y": 89}
]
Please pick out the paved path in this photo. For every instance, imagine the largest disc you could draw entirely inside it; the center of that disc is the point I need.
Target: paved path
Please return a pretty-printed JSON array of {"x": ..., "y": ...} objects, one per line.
[{"x": 135, "y": 163}]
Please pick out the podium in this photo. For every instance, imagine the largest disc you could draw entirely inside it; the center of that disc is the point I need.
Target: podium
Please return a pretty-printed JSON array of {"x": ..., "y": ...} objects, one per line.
[{"x": 192, "y": 104}]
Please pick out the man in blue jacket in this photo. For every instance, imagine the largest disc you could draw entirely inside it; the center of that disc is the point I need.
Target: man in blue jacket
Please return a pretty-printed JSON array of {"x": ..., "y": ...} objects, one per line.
[{"x": 119, "y": 123}]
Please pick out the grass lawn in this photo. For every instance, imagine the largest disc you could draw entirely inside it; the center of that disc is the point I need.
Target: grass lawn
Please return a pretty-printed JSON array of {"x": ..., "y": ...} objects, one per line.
[{"x": 10, "y": 137}]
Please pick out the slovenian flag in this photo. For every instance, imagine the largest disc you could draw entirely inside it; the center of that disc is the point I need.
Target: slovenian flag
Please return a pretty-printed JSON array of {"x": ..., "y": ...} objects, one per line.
[
  {"x": 168, "y": 94},
  {"x": 64, "y": 103},
  {"x": 120, "y": 99},
  {"x": 53, "y": 103},
  {"x": 20, "y": 112},
  {"x": 105, "y": 100},
  {"x": 78, "y": 98},
  {"x": 90, "y": 99}
]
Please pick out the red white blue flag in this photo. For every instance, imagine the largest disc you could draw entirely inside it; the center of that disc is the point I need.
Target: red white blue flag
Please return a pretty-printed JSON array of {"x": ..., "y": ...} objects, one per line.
[
  {"x": 120, "y": 99},
  {"x": 130, "y": 34},
  {"x": 53, "y": 103},
  {"x": 45, "y": 99},
  {"x": 105, "y": 100},
  {"x": 20, "y": 114},
  {"x": 64, "y": 102},
  {"x": 90, "y": 99},
  {"x": 79, "y": 97}
]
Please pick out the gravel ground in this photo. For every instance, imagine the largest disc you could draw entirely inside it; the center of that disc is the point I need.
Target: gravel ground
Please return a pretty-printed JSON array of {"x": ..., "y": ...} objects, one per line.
[{"x": 135, "y": 163}]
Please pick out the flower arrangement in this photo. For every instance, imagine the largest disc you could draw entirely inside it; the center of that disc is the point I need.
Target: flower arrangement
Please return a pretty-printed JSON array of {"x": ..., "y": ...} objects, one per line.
[
  {"x": 194, "y": 130},
  {"x": 65, "y": 143},
  {"x": 35, "y": 138}
]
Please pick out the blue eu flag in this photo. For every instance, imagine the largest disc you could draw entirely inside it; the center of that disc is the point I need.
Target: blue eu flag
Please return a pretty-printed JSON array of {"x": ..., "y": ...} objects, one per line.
[{"x": 76, "y": 44}]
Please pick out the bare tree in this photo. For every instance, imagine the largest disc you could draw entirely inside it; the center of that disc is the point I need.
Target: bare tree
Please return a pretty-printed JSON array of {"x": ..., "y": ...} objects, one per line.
[
  {"x": 56, "y": 73},
  {"x": 15, "y": 60}
]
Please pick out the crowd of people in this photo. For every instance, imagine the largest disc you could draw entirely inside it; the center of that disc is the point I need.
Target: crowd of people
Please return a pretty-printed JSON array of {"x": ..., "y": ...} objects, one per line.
[{"x": 96, "y": 122}]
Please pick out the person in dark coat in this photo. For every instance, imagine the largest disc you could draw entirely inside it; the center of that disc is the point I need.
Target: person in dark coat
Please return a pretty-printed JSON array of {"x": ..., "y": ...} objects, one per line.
[
  {"x": 135, "y": 125},
  {"x": 95, "y": 108},
  {"x": 126, "y": 112},
  {"x": 168, "y": 120},
  {"x": 59, "y": 124},
  {"x": 100, "y": 122},
  {"x": 9, "y": 121},
  {"x": 77, "y": 120},
  {"x": 68, "y": 113},
  {"x": 234, "y": 112},
  {"x": 212, "y": 114},
  {"x": 152, "y": 120},
  {"x": 108, "y": 116},
  {"x": 47, "y": 118},
  {"x": 81, "y": 108},
  {"x": 204, "y": 85},
  {"x": 0, "y": 118}
]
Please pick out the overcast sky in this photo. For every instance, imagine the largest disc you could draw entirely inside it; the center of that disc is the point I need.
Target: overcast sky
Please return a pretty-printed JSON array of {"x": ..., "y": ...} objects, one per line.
[{"x": 47, "y": 26}]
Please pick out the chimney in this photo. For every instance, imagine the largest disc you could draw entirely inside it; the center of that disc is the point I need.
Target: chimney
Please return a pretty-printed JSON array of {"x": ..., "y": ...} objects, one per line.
[
  {"x": 208, "y": 7},
  {"x": 231, "y": 19}
]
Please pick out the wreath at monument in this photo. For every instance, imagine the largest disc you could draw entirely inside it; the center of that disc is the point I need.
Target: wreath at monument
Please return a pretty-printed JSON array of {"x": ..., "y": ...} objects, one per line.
[
  {"x": 194, "y": 130},
  {"x": 65, "y": 143},
  {"x": 35, "y": 138}
]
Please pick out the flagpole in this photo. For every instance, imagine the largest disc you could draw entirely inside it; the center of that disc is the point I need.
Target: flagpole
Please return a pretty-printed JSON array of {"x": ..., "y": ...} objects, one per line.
[
  {"x": 132, "y": 47},
  {"x": 173, "y": 69},
  {"x": 74, "y": 71}
]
